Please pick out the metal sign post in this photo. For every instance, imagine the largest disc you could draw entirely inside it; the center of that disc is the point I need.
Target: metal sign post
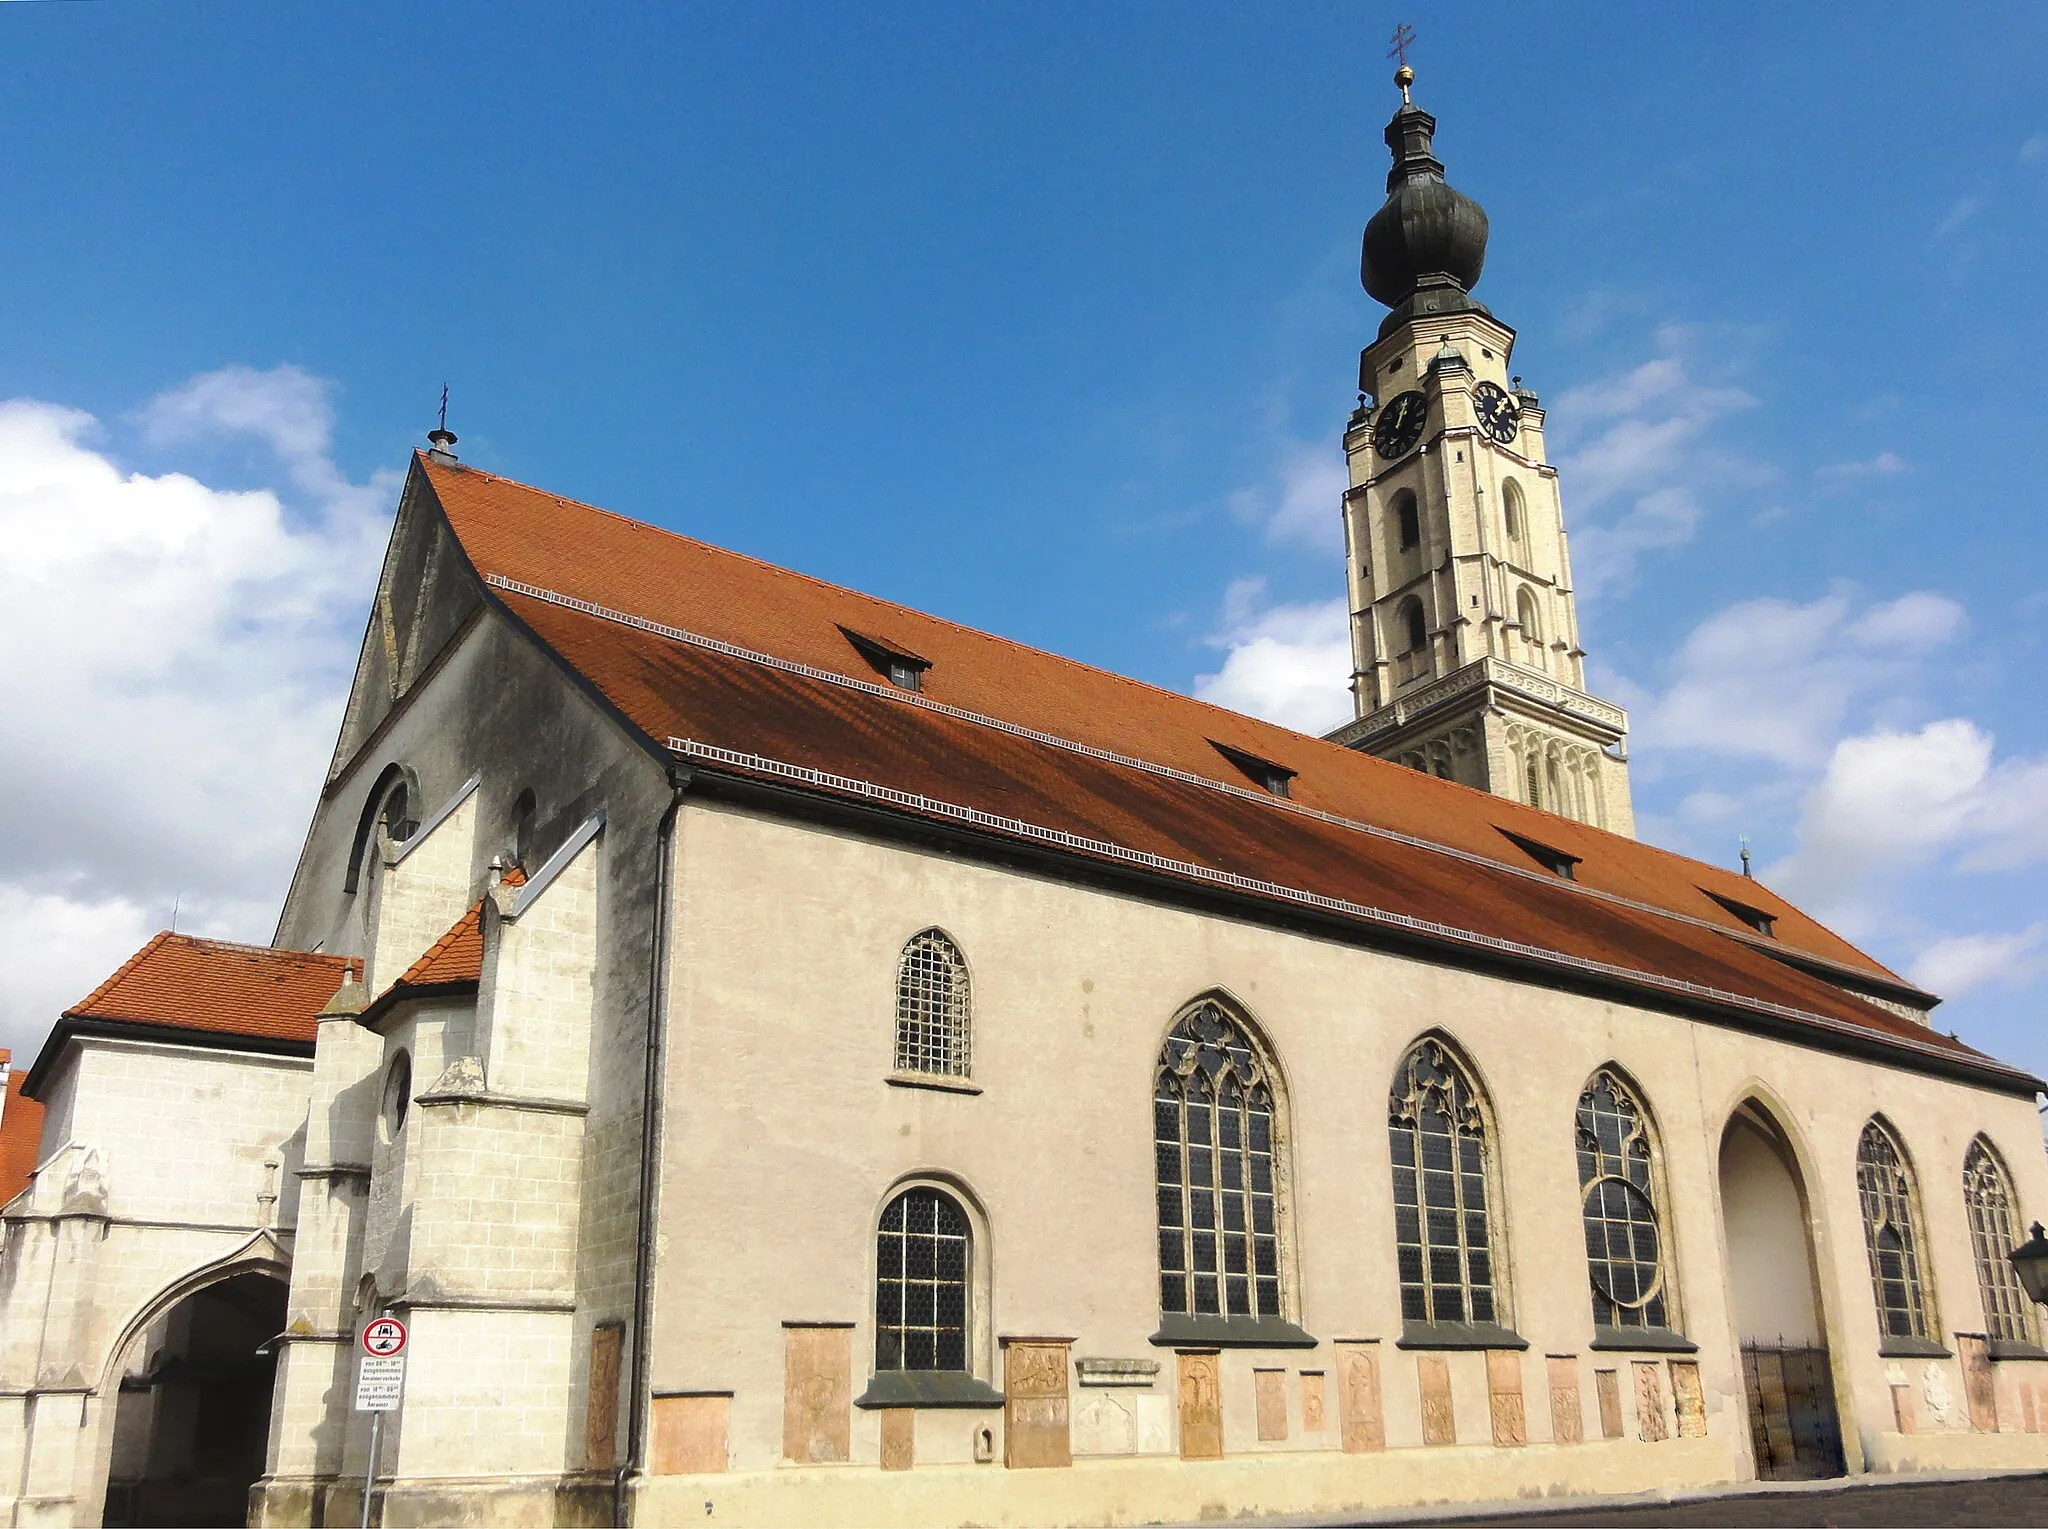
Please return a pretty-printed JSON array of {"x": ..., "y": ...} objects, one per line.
[{"x": 380, "y": 1382}]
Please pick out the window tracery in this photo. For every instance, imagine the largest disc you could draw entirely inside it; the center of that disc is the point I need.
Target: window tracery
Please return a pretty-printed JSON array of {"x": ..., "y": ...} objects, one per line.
[
  {"x": 1443, "y": 1231},
  {"x": 1995, "y": 1232},
  {"x": 1618, "y": 1194},
  {"x": 934, "y": 1015},
  {"x": 1889, "y": 1234},
  {"x": 1216, "y": 1155}
]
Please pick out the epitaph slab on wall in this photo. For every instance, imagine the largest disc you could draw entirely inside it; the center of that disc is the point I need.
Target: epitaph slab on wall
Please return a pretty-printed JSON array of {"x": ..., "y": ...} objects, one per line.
[
  {"x": 1201, "y": 1405},
  {"x": 899, "y": 1438},
  {"x": 1439, "y": 1421},
  {"x": 690, "y": 1433},
  {"x": 817, "y": 1392},
  {"x": 1689, "y": 1398},
  {"x": 1607, "y": 1385},
  {"x": 1036, "y": 1430},
  {"x": 1312, "y": 1394},
  {"x": 1504, "y": 1397},
  {"x": 1362, "y": 1419},
  {"x": 1650, "y": 1401},
  {"x": 1269, "y": 1396},
  {"x": 1905, "y": 1412},
  {"x": 1567, "y": 1412},
  {"x": 601, "y": 1404},
  {"x": 1105, "y": 1424},
  {"x": 1978, "y": 1387}
]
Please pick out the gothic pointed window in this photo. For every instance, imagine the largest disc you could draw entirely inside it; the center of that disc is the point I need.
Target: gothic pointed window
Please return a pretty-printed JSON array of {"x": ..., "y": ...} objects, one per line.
[
  {"x": 1511, "y": 508},
  {"x": 1618, "y": 1203},
  {"x": 1994, "y": 1233},
  {"x": 1444, "y": 1239},
  {"x": 922, "y": 1249},
  {"x": 934, "y": 1018},
  {"x": 1217, "y": 1156},
  {"x": 1414, "y": 626},
  {"x": 1408, "y": 520},
  {"x": 1890, "y": 1235}
]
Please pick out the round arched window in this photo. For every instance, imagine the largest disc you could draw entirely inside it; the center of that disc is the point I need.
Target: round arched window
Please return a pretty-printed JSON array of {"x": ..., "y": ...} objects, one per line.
[
  {"x": 1511, "y": 507},
  {"x": 397, "y": 1096}
]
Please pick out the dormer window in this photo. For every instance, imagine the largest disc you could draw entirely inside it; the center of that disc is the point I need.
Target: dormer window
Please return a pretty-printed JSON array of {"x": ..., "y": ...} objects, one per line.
[
  {"x": 1553, "y": 860},
  {"x": 898, "y": 665},
  {"x": 1763, "y": 923},
  {"x": 1263, "y": 773}
]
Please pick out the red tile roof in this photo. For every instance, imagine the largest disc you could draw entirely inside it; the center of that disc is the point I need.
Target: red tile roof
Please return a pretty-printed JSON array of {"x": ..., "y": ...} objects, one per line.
[
  {"x": 186, "y": 983},
  {"x": 457, "y": 958},
  {"x": 1420, "y": 848},
  {"x": 21, "y": 1136}
]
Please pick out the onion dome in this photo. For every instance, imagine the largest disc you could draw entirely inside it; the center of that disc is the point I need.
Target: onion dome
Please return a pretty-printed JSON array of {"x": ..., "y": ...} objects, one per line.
[{"x": 1425, "y": 247}]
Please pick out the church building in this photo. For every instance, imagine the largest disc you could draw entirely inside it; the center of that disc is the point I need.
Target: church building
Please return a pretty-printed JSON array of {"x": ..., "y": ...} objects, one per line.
[{"x": 789, "y": 1059}]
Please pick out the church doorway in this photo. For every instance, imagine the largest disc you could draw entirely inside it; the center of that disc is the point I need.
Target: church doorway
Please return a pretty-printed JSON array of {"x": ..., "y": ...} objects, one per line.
[
  {"x": 1774, "y": 1287},
  {"x": 193, "y": 1420}
]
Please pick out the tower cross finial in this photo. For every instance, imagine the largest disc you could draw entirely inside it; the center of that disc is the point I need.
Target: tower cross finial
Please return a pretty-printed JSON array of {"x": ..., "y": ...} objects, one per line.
[
  {"x": 1403, "y": 39},
  {"x": 444, "y": 406}
]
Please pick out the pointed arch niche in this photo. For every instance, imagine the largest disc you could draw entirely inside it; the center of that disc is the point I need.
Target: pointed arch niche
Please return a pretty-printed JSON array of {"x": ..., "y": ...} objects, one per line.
[
  {"x": 1221, "y": 1177},
  {"x": 1448, "y": 1246}
]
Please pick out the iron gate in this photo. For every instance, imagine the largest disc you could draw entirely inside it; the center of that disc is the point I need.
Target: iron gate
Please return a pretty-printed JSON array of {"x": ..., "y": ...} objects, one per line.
[{"x": 1792, "y": 1424}]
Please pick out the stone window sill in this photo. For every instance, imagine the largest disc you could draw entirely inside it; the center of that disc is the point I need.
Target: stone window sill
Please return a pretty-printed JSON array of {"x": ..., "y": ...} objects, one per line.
[
  {"x": 1642, "y": 1340},
  {"x": 928, "y": 1388},
  {"x": 1179, "y": 1331},
  {"x": 2014, "y": 1348},
  {"x": 1904, "y": 1346},
  {"x": 935, "y": 1081},
  {"x": 1458, "y": 1335}
]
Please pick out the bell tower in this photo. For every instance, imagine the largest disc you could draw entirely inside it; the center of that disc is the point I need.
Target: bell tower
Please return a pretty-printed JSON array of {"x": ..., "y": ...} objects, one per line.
[{"x": 1465, "y": 656}]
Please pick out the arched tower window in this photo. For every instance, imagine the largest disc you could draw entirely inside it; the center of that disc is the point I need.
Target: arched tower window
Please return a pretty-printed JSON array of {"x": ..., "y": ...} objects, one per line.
[
  {"x": 1618, "y": 1197},
  {"x": 1525, "y": 612},
  {"x": 1414, "y": 625},
  {"x": 1408, "y": 519},
  {"x": 1511, "y": 507},
  {"x": 1890, "y": 1234},
  {"x": 391, "y": 815},
  {"x": 922, "y": 1253},
  {"x": 1995, "y": 1232},
  {"x": 934, "y": 1018},
  {"x": 1217, "y": 1153},
  {"x": 1443, "y": 1192}
]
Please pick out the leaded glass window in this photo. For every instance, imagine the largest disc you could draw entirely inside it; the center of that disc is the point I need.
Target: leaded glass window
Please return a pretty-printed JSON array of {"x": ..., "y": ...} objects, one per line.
[
  {"x": 1889, "y": 1234},
  {"x": 1994, "y": 1233},
  {"x": 1213, "y": 1139},
  {"x": 1443, "y": 1233},
  {"x": 1618, "y": 1202},
  {"x": 921, "y": 1255},
  {"x": 934, "y": 1025}
]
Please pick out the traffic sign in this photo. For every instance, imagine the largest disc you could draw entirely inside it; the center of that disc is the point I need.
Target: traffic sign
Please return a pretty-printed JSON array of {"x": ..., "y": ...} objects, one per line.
[
  {"x": 384, "y": 1338},
  {"x": 379, "y": 1383}
]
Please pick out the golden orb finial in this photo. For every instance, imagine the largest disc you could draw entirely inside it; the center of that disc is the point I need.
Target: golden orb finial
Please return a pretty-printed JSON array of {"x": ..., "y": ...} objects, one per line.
[{"x": 1404, "y": 77}]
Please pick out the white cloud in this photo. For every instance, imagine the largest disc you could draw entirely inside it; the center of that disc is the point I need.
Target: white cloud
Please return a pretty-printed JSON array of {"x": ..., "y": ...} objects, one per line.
[
  {"x": 1961, "y": 962},
  {"x": 1289, "y": 664},
  {"x": 1775, "y": 680},
  {"x": 191, "y": 647},
  {"x": 1959, "y": 213},
  {"x": 1842, "y": 474},
  {"x": 1301, "y": 502},
  {"x": 2034, "y": 149},
  {"x": 1640, "y": 443}
]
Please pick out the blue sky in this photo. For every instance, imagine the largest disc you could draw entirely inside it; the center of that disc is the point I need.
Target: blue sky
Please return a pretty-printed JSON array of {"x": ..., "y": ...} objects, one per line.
[{"x": 1045, "y": 319}]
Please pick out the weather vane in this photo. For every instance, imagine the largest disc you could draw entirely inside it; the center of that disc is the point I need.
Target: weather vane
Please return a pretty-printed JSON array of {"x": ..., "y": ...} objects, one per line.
[
  {"x": 444, "y": 406},
  {"x": 1403, "y": 39}
]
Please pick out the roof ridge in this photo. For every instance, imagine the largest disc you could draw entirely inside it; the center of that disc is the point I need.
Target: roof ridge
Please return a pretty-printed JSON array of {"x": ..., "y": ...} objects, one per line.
[
  {"x": 283, "y": 952},
  {"x": 1245, "y": 793}
]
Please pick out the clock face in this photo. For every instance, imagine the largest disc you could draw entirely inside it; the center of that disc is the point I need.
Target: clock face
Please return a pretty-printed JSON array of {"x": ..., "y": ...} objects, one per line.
[
  {"x": 1400, "y": 425},
  {"x": 1498, "y": 416}
]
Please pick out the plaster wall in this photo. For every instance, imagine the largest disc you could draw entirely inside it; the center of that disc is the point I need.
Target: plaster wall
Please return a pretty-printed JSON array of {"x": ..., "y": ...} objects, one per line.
[{"x": 1770, "y": 1274}]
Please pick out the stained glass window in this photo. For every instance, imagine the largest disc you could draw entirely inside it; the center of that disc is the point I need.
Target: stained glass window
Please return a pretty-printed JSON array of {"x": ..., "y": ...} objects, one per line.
[
  {"x": 1994, "y": 1233},
  {"x": 1213, "y": 1141},
  {"x": 921, "y": 1257},
  {"x": 1443, "y": 1233},
  {"x": 1889, "y": 1234},
  {"x": 1618, "y": 1201},
  {"x": 934, "y": 1028}
]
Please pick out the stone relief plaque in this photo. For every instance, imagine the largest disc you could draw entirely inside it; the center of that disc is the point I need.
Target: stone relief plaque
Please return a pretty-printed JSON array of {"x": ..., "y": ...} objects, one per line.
[
  {"x": 1504, "y": 1396},
  {"x": 1035, "y": 1431},
  {"x": 817, "y": 1393},
  {"x": 1104, "y": 1425},
  {"x": 1650, "y": 1401},
  {"x": 1905, "y": 1414},
  {"x": 689, "y": 1435},
  {"x": 1978, "y": 1388},
  {"x": 1269, "y": 1393},
  {"x": 601, "y": 1407},
  {"x": 2027, "y": 1423},
  {"x": 1362, "y": 1422},
  {"x": 1201, "y": 1406},
  {"x": 1607, "y": 1386},
  {"x": 1311, "y": 1401},
  {"x": 1439, "y": 1424},
  {"x": 899, "y": 1438},
  {"x": 1690, "y": 1398},
  {"x": 1155, "y": 1423},
  {"x": 1567, "y": 1412}
]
